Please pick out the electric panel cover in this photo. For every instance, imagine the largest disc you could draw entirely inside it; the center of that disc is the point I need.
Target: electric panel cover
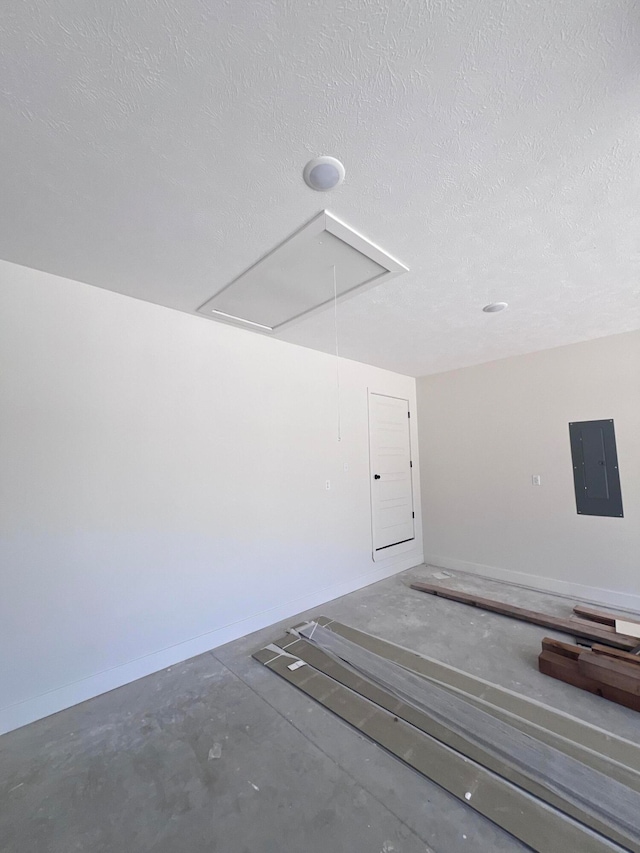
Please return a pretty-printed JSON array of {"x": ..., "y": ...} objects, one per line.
[{"x": 595, "y": 468}]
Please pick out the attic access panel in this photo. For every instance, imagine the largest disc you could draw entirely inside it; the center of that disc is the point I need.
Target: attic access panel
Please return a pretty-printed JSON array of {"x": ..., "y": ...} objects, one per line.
[
  {"x": 595, "y": 468},
  {"x": 296, "y": 279}
]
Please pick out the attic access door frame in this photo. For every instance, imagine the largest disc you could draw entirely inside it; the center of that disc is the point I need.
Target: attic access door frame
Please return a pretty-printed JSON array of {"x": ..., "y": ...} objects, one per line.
[
  {"x": 296, "y": 279},
  {"x": 391, "y": 475}
]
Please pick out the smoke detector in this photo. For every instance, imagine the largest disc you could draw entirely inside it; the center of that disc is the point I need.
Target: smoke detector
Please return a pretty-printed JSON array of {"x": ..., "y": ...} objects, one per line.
[{"x": 323, "y": 173}]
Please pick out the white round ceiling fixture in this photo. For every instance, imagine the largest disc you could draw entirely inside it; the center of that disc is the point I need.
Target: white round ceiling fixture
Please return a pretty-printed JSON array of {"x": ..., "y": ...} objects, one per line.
[
  {"x": 494, "y": 307},
  {"x": 323, "y": 173}
]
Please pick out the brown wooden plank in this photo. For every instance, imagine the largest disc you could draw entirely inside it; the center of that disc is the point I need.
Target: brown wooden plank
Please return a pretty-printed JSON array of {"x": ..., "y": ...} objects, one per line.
[
  {"x": 615, "y": 653},
  {"x": 556, "y": 623},
  {"x": 557, "y": 647},
  {"x": 567, "y": 670},
  {"x": 588, "y": 624},
  {"x": 615, "y": 673},
  {"x": 595, "y": 615}
]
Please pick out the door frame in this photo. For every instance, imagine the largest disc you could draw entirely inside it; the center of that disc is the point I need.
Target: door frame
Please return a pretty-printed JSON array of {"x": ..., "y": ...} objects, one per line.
[{"x": 412, "y": 544}]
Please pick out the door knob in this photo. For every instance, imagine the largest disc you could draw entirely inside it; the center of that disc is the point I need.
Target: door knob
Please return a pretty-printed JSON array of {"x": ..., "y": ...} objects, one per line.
[{"x": 376, "y": 476}]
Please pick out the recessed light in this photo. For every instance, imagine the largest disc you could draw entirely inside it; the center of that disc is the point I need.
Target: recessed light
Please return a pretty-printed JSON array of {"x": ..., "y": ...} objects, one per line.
[
  {"x": 323, "y": 173},
  {"x": 494, "y": 307}
]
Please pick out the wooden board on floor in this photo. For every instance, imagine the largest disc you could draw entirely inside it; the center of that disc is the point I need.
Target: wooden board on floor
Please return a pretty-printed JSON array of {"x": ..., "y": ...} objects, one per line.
[
  {"x": 595, "y": 615},
  {"x": 616, "y": 653},
  {"x": 565, "y": 669},
  {"x": 567, "y": 650},
  {"x": 589, "y": 624},
  {"x": 556, "y": 623},
  {"x": 614, "y": 673},
  {"x": 622, "y": 625}
]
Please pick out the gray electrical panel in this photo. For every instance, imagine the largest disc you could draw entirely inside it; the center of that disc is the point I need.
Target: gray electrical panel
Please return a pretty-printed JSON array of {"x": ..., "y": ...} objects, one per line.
[{"x": 595, "y": 468}]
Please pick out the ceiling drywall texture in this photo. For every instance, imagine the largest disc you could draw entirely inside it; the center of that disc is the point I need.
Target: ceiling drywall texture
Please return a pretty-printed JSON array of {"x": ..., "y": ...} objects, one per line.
[{"x": 156, "y": 149}]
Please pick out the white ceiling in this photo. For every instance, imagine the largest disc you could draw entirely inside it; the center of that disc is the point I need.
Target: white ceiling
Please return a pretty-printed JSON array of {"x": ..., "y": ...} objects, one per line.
[{"x": 156, "y": 149}]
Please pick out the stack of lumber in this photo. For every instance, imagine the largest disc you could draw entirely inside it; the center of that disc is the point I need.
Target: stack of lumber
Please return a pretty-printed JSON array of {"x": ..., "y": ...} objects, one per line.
[
  {"x": 609, "y": 672},
  {"x": 610, "y": 668}
]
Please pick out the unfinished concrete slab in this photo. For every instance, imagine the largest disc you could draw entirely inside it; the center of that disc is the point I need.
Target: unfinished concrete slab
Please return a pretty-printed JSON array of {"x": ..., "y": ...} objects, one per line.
[{"x": 218, "y": 754}]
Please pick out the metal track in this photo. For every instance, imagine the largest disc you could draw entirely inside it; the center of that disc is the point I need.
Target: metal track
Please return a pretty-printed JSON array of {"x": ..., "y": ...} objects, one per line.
[
  {"x": 587, "y": 736},
  {"x": 541, "y": 827},
  {"x": 588, "y": 795}
]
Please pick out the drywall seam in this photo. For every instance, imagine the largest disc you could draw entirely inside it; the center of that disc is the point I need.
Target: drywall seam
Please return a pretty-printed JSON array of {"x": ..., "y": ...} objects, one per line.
[
  {"x": 592, "y": 594},
  {"x": 14, "y": 716}
]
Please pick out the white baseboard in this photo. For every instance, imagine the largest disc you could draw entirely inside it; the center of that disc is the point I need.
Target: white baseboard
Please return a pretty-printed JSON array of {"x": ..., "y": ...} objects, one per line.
[
  {"x": 591, "y": 594},
  {"x": 22, "y": 713}
]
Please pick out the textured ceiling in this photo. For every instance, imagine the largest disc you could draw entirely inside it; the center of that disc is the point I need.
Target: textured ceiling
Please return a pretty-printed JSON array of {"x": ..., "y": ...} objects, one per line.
[{"x": 156, "y": 148}]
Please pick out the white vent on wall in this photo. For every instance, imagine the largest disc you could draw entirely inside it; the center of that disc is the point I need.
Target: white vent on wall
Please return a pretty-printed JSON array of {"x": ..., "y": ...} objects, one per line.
[{"x": 296, "y": 278}]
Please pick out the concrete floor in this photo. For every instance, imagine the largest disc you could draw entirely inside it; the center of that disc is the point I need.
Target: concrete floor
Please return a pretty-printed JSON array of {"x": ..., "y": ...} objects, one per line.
[{"x": 219, "y": 754}]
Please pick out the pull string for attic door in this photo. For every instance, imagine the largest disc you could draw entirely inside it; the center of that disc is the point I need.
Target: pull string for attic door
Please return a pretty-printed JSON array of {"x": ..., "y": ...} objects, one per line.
[{"x": 335, "y": 324}]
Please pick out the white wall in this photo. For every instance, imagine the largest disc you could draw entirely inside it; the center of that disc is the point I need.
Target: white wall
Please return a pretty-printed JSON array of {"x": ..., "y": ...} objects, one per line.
[
  {"x": 162, "y": 487},
  {"x": 485, "y": 430}
]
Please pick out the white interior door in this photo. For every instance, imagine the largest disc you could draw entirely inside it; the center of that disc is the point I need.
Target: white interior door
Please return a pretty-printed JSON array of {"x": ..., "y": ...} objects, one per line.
[{"x": 391, "y": 482}]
